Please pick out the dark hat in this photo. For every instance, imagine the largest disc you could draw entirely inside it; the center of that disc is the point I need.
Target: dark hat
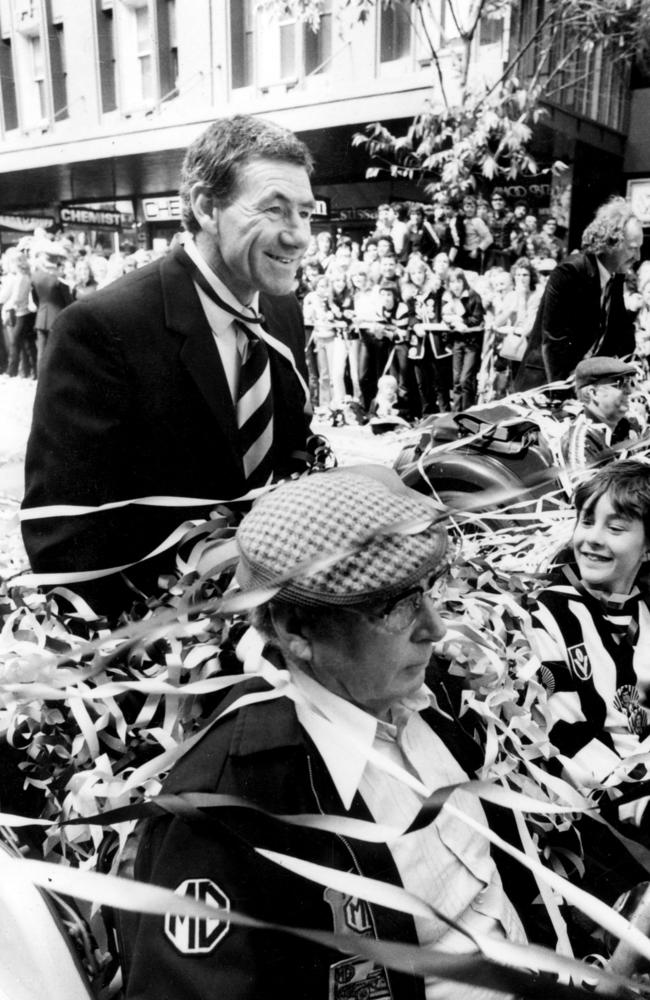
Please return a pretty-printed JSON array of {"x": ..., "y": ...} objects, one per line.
[
  {"x": 594, "y": 370},
  {"x": 382, "y": 538}
]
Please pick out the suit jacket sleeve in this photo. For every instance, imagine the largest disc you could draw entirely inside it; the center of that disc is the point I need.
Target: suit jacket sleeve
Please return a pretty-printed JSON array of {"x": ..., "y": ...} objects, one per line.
[{"x": 79, "y": 421}]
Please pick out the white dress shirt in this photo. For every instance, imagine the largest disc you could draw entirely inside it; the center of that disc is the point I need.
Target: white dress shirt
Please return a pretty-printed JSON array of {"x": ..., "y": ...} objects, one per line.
[
  {"x": 231, "y": 343},
  {"x": 446, "y": 864}
]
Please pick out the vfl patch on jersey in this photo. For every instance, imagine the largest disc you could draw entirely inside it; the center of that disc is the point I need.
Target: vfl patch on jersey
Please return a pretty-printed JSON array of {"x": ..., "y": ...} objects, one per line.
[
  {"x": 358, "y": 979},
  {"x": 579, "y": 661},
  {"x": 193, "y": 935}
]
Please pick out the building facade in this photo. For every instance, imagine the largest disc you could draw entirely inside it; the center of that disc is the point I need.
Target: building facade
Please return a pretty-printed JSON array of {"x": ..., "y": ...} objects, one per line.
[{"x": 100, "y": 98}]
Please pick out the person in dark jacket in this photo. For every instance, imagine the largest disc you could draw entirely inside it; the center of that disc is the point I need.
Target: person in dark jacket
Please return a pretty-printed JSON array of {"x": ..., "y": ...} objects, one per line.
[
  {"x": 141, "y": 395},
  {"x": 582, "y": 312},
  {"x": 464, "y": 314},
  {"x": 51, "y": 295},
  {"x": 342, "y": 725}
]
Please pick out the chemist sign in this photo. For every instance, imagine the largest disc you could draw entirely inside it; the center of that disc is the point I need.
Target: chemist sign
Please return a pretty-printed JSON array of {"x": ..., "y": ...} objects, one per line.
[
  {"x": 166, "y": 208},
  {"x": 112, "y": 215}
]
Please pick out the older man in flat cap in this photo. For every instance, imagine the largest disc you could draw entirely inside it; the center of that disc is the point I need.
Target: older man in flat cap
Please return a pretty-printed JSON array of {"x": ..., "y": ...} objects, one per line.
[
  {"x": 603, "y": 386},
  {"x": 343, "y": 725}
]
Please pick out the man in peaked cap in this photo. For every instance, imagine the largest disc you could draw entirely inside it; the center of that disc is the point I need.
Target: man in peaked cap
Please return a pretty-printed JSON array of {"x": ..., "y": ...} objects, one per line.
[
  {"x": 603, "y": 386},
  {"x": 343, "y": 724}
]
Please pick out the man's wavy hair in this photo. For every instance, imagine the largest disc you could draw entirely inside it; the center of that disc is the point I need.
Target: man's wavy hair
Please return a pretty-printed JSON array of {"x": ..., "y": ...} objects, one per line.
[
  {"x": 607, "y": 230},
  {"x": 217, "y": 156}
]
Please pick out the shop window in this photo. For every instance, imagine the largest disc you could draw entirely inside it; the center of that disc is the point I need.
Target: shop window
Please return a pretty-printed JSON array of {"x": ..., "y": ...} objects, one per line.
[
  {"x": 395, "y": 33},
  {"x": 287, "y": 50},
  {"x": 106, "y": 54},
  {"x": 491, "y": 30},
  {"x": 59, "y": 71},
  {"x": 317, "y": 45},
  {"x": 143, "y": 52},
  {"x": 241, "y": 42},
  {"x": 8, "y": 88},
  {"x": 37, "y": 59},
  {"x": 167, "y": 48}
]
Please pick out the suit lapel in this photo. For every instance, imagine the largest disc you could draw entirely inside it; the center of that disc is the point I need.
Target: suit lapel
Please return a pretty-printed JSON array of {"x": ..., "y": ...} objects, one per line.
[{"x": 199, "y": 353}]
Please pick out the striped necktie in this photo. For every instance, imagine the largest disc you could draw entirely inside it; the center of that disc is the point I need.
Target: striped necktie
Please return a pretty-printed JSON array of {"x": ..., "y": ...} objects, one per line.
[
  {"x": 255, "y": 411},
  {"x": 254, "y": 407}
]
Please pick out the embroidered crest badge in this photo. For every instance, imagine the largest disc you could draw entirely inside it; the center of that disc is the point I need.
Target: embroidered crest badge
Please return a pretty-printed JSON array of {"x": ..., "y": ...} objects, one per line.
[
  {"x": 579, "y": 661},
  {"x": 354, "y": 978},
  {"x": 192, "y": 935}
]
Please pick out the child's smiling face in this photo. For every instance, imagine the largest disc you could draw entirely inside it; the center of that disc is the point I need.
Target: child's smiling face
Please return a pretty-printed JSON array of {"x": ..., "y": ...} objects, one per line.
[{"x": 609, "y": 547}]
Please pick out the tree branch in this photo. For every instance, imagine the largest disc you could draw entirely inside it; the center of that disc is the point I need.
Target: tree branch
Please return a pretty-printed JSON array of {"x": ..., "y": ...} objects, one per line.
[
  {"x": 434, "y": 53},
  {"x": 518, "y": 57}
]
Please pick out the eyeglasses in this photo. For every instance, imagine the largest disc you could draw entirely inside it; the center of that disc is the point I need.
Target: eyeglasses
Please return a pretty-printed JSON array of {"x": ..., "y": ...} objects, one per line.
[
  {"x": 400, "y": 612},
  {"x": 622, "y": 382}
]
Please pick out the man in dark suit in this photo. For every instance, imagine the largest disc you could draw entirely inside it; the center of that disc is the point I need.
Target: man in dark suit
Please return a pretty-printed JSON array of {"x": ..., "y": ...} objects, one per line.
[
  {"x": 582, "y": 312},
  {"x": 51, "y": 295},
  {"x": 141, "y": 394}
]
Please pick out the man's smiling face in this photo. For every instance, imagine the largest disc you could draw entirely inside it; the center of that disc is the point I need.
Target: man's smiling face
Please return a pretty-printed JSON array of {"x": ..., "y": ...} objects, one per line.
[{"x": 257, "y": 240}]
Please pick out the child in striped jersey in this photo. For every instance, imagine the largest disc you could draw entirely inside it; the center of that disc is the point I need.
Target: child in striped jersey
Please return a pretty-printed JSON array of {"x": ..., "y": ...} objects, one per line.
[{"x": 592, "y": 635}]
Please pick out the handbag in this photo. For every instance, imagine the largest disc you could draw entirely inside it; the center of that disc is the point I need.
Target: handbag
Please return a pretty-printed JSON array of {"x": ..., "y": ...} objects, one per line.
[{"x": 513, "y": 346}]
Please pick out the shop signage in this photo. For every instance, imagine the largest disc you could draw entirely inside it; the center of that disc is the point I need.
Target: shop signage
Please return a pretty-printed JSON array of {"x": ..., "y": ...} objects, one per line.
[
  {"x": 535, "y": 191},
  {"x": 97, "y": 218},
  {"x": 638, "y": 193},
  {"x": 167, "y": 208},
  {"x": 164, "y": 209},
  {"x": 25, "y": 223},
  {"x": 354, "y": 215},
  {"x": 73, "y": 216}
]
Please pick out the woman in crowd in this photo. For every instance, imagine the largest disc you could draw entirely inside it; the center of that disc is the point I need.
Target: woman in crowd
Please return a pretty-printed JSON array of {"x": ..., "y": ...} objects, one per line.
[
  {"x": 18, "y": 317},
  {"x": 84, "y": 280},
  {"x": 345, "y": 350},
  {"x": 514, "y": 321},
  {"x": 428, "y": 354},
  {"x": 464, "y": 314},
  {"x": 319, "y": 323},
  {"x": 592, "y": 636}
]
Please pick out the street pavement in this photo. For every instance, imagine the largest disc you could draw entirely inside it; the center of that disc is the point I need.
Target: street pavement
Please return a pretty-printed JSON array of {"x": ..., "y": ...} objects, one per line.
[{"x": 351, "y": 444}]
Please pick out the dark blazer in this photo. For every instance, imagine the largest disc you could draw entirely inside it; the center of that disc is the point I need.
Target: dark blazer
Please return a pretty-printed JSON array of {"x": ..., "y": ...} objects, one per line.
[
  {"x": 569, "y": 320},
  {"x": 262, "y": 754},
  {"x": 132, "y": 402},
  {"x": 51, "y": 296}
]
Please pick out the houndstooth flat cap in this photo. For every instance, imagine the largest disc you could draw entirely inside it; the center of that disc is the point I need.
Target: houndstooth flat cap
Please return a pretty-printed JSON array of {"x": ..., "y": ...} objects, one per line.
[{"x": 379, "y": 531}]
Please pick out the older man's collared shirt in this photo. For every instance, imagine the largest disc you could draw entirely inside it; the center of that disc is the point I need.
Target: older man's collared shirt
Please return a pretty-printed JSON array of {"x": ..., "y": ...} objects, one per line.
[
  {"x": 605, "y": 277},
  {"x": 446, "y": 864},
  {"x": 231, "y": 342}
]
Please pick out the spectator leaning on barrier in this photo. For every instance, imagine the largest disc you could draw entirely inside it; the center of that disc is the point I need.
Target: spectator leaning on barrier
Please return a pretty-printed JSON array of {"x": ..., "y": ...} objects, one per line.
[
  {"x": 464, "y": 314},
  {"x": 352, "y": 730}
]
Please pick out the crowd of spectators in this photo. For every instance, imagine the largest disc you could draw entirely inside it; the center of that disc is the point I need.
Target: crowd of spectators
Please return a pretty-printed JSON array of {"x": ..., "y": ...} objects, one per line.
[
  {"x": 439, "y": 298},
  {"x": 40, "y": 275}
]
